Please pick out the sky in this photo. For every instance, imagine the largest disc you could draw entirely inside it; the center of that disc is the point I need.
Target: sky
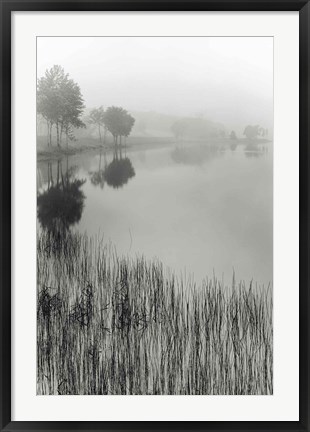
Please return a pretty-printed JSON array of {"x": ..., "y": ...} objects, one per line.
[{"x": 225, "y": 79}]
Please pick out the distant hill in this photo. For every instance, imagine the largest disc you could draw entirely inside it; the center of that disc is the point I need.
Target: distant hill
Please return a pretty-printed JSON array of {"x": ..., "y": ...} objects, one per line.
[{"x": 160, "y": 125}]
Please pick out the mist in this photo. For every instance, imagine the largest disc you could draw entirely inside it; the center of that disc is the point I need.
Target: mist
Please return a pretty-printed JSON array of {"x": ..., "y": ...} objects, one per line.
[
  {"x": 155, "y": 216},
  {"x": 224, "y": 79}
]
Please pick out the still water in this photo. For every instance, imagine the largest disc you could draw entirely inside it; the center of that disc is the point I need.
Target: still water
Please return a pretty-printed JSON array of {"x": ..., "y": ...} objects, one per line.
[{"x": 200, "y": 211}]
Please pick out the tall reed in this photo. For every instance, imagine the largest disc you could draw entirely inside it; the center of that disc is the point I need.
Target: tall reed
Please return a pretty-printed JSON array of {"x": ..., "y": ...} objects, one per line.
[{"x": 110, "y": 325}]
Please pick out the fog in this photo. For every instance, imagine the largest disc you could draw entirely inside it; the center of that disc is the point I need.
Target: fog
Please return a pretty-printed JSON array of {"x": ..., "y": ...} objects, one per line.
[
  {"x": 155, "y": 216},
  {"x": 227, "y": 80}
]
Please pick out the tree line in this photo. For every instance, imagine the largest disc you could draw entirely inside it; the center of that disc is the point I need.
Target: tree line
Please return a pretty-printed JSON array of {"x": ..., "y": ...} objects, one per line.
[
  {"x": 61, "y": 104},
  {"x": 202, "y": 129},
  {"x": 252, "y": 132},
  {"x": 116, "y": 120}
]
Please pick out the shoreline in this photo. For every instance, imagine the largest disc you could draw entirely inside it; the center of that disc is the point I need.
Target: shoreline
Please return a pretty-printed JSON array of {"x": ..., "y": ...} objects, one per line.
[{"x": 45, "y": 153}]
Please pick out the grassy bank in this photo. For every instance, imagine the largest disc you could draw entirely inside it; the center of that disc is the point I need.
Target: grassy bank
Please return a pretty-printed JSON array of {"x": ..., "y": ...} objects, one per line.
[
  {"x": 113, "y": 325},
  {"x": 46, "y": 153},
  {"x": 53, "y": 152}
]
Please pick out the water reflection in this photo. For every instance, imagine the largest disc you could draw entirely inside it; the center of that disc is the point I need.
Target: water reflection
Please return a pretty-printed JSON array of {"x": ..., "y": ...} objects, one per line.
[
  {"x": 61, "y": 204},
  {"x": 194, "y": 155},
  {"x": 97, "y": 178},
  {"x": 254, "y": 150},
  {"x": 116, "y": 174},
  {"x": 198, "y": 220}
]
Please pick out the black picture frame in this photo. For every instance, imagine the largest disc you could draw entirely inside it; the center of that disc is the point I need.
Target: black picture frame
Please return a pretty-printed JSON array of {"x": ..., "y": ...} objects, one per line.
[{"x": 7, "y": 7}]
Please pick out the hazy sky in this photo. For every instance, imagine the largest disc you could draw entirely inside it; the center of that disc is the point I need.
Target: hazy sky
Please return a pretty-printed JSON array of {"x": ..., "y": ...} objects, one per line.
[{"x": 227, "y": 79}]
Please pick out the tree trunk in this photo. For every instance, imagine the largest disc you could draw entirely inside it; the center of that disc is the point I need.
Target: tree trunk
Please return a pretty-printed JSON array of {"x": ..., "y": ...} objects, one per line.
[
  {"x": 51, "y": 126},
  {"x": 48, "y": 133},
  {"x": 57, "y": 132},
  {"x": 99, "y": 134},
  {"x": 61, "y": 131},
  {"x": 67, "y": 132}
]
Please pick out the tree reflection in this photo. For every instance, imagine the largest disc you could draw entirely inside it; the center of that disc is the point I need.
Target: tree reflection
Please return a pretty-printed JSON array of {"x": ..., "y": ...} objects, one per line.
[
  {"x": 61, "y": 205},
  {"x": 115, "y": 174},
  {"x": 253, "y": 151},
  {"x": 97, "y": 178},
  {"x": 119, "y": 171}
]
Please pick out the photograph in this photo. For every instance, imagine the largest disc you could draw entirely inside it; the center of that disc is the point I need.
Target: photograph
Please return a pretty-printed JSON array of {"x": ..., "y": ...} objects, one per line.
[{"x": 154, "y": 215}]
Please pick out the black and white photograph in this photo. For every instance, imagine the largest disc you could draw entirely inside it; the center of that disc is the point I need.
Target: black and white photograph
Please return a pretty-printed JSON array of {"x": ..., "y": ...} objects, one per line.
[{"x": 154, "y": 230}]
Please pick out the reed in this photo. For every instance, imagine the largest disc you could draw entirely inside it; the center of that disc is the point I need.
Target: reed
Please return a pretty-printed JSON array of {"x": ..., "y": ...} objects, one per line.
[{"x": 111, "y": 325}]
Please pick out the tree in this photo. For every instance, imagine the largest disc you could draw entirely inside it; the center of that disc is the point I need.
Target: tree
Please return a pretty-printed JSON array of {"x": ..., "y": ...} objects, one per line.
[
  {"x": 233, "y": 135},
  {"x": 48, "y": 95},
  {"x": 118, "y": 122},
  {"x": 71, "y": 110},
  {"x": 60, "y": 102},
  {"x": 263, "y": 132},
  {"x": 127, "y": 125},
  {"x": 96, "y": 117},
  {"x": 179, "y": 128},
  {"x": 252, "y": 132}
]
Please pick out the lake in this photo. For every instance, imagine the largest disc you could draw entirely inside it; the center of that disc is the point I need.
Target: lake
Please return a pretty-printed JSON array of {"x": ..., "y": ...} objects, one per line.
[{"x": 199, "y": 210}]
